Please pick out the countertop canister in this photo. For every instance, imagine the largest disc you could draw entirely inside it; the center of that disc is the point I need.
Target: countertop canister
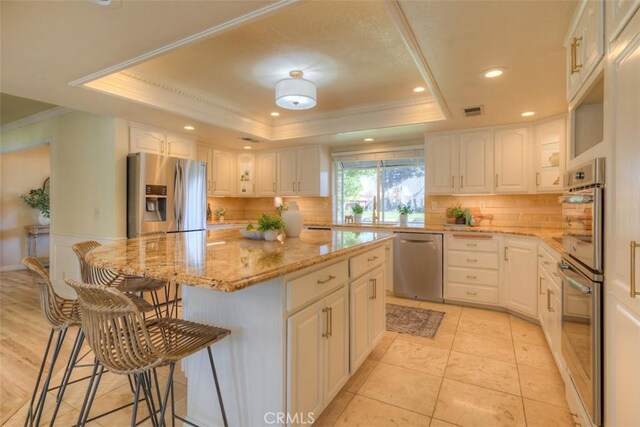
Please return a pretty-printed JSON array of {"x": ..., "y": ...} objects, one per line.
[{"x": 293, "y": 221}]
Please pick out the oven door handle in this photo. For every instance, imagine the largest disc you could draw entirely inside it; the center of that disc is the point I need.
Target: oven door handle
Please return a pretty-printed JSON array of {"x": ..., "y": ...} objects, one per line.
[
  {"x": 576, "y": 199},
  {"x": 572, "y": 282}
]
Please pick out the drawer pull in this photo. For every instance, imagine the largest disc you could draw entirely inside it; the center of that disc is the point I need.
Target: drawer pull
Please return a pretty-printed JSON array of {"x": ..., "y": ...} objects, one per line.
[
  {"x": 540, "y": 256},
  {"x": 472, "y": 277},
  {"x": 549, "y": 293},
  {"x": 373, "y": 258},
  {"x": 472, "y": 260},
  {"x": 328, "y": 279},
  {"x": 472, "y": 293},
  {"x": 473, "y": 236},
  {"x": 632, "y": 270},
  {"x": 473, "y": 245},
  {"x": 546, "y": 262}
]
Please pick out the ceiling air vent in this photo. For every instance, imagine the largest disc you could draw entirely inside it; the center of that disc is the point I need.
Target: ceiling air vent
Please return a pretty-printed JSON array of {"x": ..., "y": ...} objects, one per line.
[
  {"x": 249, "y": 139},
  {"x": 473, "y": 111}
]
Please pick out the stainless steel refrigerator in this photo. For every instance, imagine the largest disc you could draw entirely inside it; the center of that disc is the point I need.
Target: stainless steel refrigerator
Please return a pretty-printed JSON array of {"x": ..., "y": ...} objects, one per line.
[{"x": 165, "y": 194}]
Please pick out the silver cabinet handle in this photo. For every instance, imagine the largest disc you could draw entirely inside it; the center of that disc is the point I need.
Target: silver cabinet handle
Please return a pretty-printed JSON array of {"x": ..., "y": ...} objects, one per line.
[
  {"x": 326, "y": 333},
  {"x": 327, "y": 280},
  {"x": 540, "y": 279},
  {"x": 632, "y": 270},
  {"x": 373, "y": 258},
  {"x": 549, "y": 293},
  {"x": 506, "y": 253},
  {"x": 472, "y": 260}
]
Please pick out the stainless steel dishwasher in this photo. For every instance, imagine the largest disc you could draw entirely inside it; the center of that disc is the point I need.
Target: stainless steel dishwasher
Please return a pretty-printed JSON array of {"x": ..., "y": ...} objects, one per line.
[{"x": 417, "y": 266}]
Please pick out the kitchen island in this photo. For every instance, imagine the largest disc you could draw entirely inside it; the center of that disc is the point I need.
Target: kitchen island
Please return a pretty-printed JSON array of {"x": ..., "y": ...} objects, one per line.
[{"x": 304, "y": 313}]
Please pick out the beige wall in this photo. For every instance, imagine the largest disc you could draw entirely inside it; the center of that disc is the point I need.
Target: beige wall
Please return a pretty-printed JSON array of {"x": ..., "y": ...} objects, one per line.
[{"x": 21, "y": 170}]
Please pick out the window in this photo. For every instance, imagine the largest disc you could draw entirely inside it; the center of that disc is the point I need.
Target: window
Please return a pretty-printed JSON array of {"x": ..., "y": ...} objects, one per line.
[{"x": 391, "y": 179}]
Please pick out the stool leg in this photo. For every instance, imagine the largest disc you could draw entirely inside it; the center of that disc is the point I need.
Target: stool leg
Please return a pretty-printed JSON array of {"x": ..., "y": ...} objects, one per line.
[
  {"x": 29, "y": 418},
  {"x": 148, "y": 397},
  {"x": 67, "y": 374},
  {"x": 92, "y": 395},
  {"x": 86, "y": 395},
  {"x": 215, "y": 380},
  {"x": 43, "y": 394},
  {"x": 136, "y": 398},
  {"x": 166, "y": 393}
]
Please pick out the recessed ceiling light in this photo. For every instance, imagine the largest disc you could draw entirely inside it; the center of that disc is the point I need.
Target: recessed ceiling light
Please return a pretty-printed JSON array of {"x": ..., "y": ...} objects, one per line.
[
  {"x": 247, "y": 147},
  {"x": 368, "y": 139},
  {"x": 189, "y": 127},
  {"x": 275, "y": 114},
  {"x": 528, "y": 113},
  {"x": 418, "y": 89},
  {"x": 496, "y": 72}
]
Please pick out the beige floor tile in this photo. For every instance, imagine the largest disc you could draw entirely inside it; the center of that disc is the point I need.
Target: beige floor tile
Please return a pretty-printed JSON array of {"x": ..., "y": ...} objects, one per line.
[
  {"x": 112, "y": 400},
  {"x": 383, "y": 345},
  {"x": 479, "y": 313},
  {"x": 331, "y": 413},
  {"x": 357, "y": 379},
  {"x": 402, "y": 301},
  {"x": 486, "y": 327},
  {"x": 439, "y": 423},
  {"x": 544, "y": 415},
  {"x": 484, "y": 372},
  {"x": 65, "y": 412},
  {"x": 479, "y": 345},
  {"x": 402, "y": 387},
  {"x": 544, "y": 385},
  {"x": 365, "y": 412},
  {"x": 453, "y": 311},
  {"x": 536, "y": 356},
  {"x": 443, "y": 339},
  {"x": 527, "y": 332},
  {"x": 474, "y": 406},
  {"x": 429, "y": 360}
]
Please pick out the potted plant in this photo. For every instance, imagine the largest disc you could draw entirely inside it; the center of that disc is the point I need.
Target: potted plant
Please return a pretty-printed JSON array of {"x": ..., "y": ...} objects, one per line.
[
  {"x": 357, "y": 210},
  {"x": 270, "y": 225},
  {"x": 456, "y": 214},
  {"x": 404, "y": 211},
  {"x": 38, "y": 198},
  {"x": 220, "y": 213}
]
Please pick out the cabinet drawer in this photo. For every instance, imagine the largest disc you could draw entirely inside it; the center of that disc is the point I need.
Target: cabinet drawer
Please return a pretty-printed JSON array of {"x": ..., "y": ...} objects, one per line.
[
  {"x": 473, "y": 293},
  {"x": 546, "y": 260},
  {"x": 481, "y": 243},
  {"x": 362, "y": 263},
  {"x": 472, "y": 259},
  {"x": 306, "y": 288},
  {"x": 472, "y": 276}
]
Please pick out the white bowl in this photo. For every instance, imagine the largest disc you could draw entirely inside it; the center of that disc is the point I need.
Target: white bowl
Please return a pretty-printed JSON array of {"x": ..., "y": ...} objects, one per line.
[{"x": 251, "y": 234}]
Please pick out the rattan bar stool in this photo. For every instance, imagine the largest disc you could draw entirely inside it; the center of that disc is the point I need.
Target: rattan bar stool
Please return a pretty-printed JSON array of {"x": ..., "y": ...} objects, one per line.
[
  {"x": 126, "y": 343},
  {"x": 61, "y": 314}
]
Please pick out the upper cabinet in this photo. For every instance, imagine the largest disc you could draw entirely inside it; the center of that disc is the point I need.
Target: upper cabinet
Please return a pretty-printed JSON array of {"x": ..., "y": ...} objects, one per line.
[
  {"x": 460, "y": 163},
  {"x": 585, "y": 44},
  {"x": 303, "y": 172},
  {"x": 549, "y": 155},
  {"x": 618, "y": 13},
  {"x": 143, "y": 139},
  {"x": 512, "y": 160},
  {"x": 267, "y": 167},
  {"x": 220, "y": 170},
  {"x": 246, "y": 175}
]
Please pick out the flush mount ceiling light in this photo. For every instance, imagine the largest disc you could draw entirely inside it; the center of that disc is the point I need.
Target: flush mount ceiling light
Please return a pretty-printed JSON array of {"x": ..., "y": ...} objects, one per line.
[
  {"x": 418, "y": 89},
  {"x": 296, "y": 93},
  {"x": 493, "y": 73},
  {"x": 528, "y": 113}
]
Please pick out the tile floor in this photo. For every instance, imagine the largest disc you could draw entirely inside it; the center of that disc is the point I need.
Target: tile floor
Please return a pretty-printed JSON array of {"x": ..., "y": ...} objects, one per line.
[{"x": 483, "y": 368}]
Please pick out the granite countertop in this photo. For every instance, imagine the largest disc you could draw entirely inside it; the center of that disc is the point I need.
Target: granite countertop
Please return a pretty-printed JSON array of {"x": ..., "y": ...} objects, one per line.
[{"x": 223, "y": 260}]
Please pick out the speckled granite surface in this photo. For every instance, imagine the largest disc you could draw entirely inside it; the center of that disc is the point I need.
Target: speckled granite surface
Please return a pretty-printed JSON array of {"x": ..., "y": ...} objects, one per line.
[{"x": 223, "y": 260}]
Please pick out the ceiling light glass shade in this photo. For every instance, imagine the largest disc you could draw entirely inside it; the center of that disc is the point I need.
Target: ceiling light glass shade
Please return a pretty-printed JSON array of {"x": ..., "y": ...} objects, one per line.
[{"x": 296, "y": 93}]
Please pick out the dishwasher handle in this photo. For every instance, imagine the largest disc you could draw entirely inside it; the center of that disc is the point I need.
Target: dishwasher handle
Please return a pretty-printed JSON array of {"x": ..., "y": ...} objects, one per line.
[{"x": 425, "y": 242}]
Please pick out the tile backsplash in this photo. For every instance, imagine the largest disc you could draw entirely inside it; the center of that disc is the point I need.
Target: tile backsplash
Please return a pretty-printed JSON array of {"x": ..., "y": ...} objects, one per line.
[{"x": 314, "y": 209}]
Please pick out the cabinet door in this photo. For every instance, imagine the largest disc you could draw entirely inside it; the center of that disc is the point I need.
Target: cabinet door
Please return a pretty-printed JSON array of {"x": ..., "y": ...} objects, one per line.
[
  {"x": 442, "y": 164},
  {"x": 574, "y": 74},
  {"x": 305, "y": 354},
  {"x": 511, "y": 161},
  {"x": 246, "y": 175},
  {"x": 378, "y": 308},
  {"x": 204, "y": 154},
  {"x": 555, "y": 325},
  {"x": 308, "y": 171},
  {"x": 146, "y": 141},
  {"x": 541, "y": 292},
  {"x": 591, "y": 48},
  {"x": 287, "y": 181},
  {"x": 222, "y": 173},
  {"x": 360, "y": 341},
  {"x": 267, "y": 174},
  {"x": 336, "y": 367},
  {"x": 549, "y": 152},
  {"x": 476, "y": 162},
  {"x": 180, "y": 147},
  {"x": 520, "y": 273},
  {"x": 618, "y": 14}
]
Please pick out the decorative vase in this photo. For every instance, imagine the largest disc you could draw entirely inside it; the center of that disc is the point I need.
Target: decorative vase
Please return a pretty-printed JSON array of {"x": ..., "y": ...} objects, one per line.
[
  {"x": 293, "y": 221},
  {"x": 404, "y": 220},
  {"x": 270, "y": 235},
  {"x": 221, "y": 218},
  {"x": 357, "y": 218},
  {"x": 460, "y": 220},
  {"x": 43, "y": 220}
]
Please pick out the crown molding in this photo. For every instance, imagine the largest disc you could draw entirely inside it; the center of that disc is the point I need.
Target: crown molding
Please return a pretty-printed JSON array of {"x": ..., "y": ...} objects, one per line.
[{"x": 38, "y": 117}]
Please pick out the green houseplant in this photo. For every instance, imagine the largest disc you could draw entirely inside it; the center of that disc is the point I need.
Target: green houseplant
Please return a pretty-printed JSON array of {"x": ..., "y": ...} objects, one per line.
[
  {"x": 456, "y": 214},
  {"x": 220, "y": 213},
  {"x": 404, "y": 211},
  {"x": 270, "y": 225},
  {"x": 38, "y": 198},
  {"x": 357, "y": 210}
]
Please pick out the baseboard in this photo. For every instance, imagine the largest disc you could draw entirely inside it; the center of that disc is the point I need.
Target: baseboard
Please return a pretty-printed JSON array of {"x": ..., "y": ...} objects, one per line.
[{"x": 12, "y": 267}]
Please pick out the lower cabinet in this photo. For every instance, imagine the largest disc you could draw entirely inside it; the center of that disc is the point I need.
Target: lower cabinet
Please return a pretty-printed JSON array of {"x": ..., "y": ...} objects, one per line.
[
  {"x": 318, "y": 353},
  {"x": 520, "y": 267},
  {"x": 550, "y": 312},
  {"x": 367, "y": 315}
]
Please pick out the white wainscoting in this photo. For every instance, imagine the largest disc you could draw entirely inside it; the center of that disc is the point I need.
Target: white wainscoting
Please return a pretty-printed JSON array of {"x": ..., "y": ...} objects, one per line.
[{"x": 63, "y": 262}]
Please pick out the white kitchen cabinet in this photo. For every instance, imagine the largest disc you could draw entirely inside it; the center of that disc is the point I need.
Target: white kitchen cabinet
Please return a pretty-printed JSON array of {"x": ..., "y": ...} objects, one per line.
[
  {"x": 476, "y": 162},
  {"x": 378, "y": 307},
  {"x": 144, "y": 139},
  {"x": 618, "y": 13},
  {"x": 520, "y": 268},
  {"x": 549, "y": 155},
  {"x": 512, "y": 160},
  {"x": 303, "y": 172},
  {"x": 318, "y": 353},
  {"x": 246, "y": 175},
  {"x": 542, "y": 301},
  {"x": 222, "y": 173},
  {"x": 622, "y": 309},
  {"x": 267, "y": 174},
  {"x": 360, "y": 291},
  {"x": 585, "y": 44},
  {"x": 442, "y": 164},
  {"x": 203, "y": 154}
]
